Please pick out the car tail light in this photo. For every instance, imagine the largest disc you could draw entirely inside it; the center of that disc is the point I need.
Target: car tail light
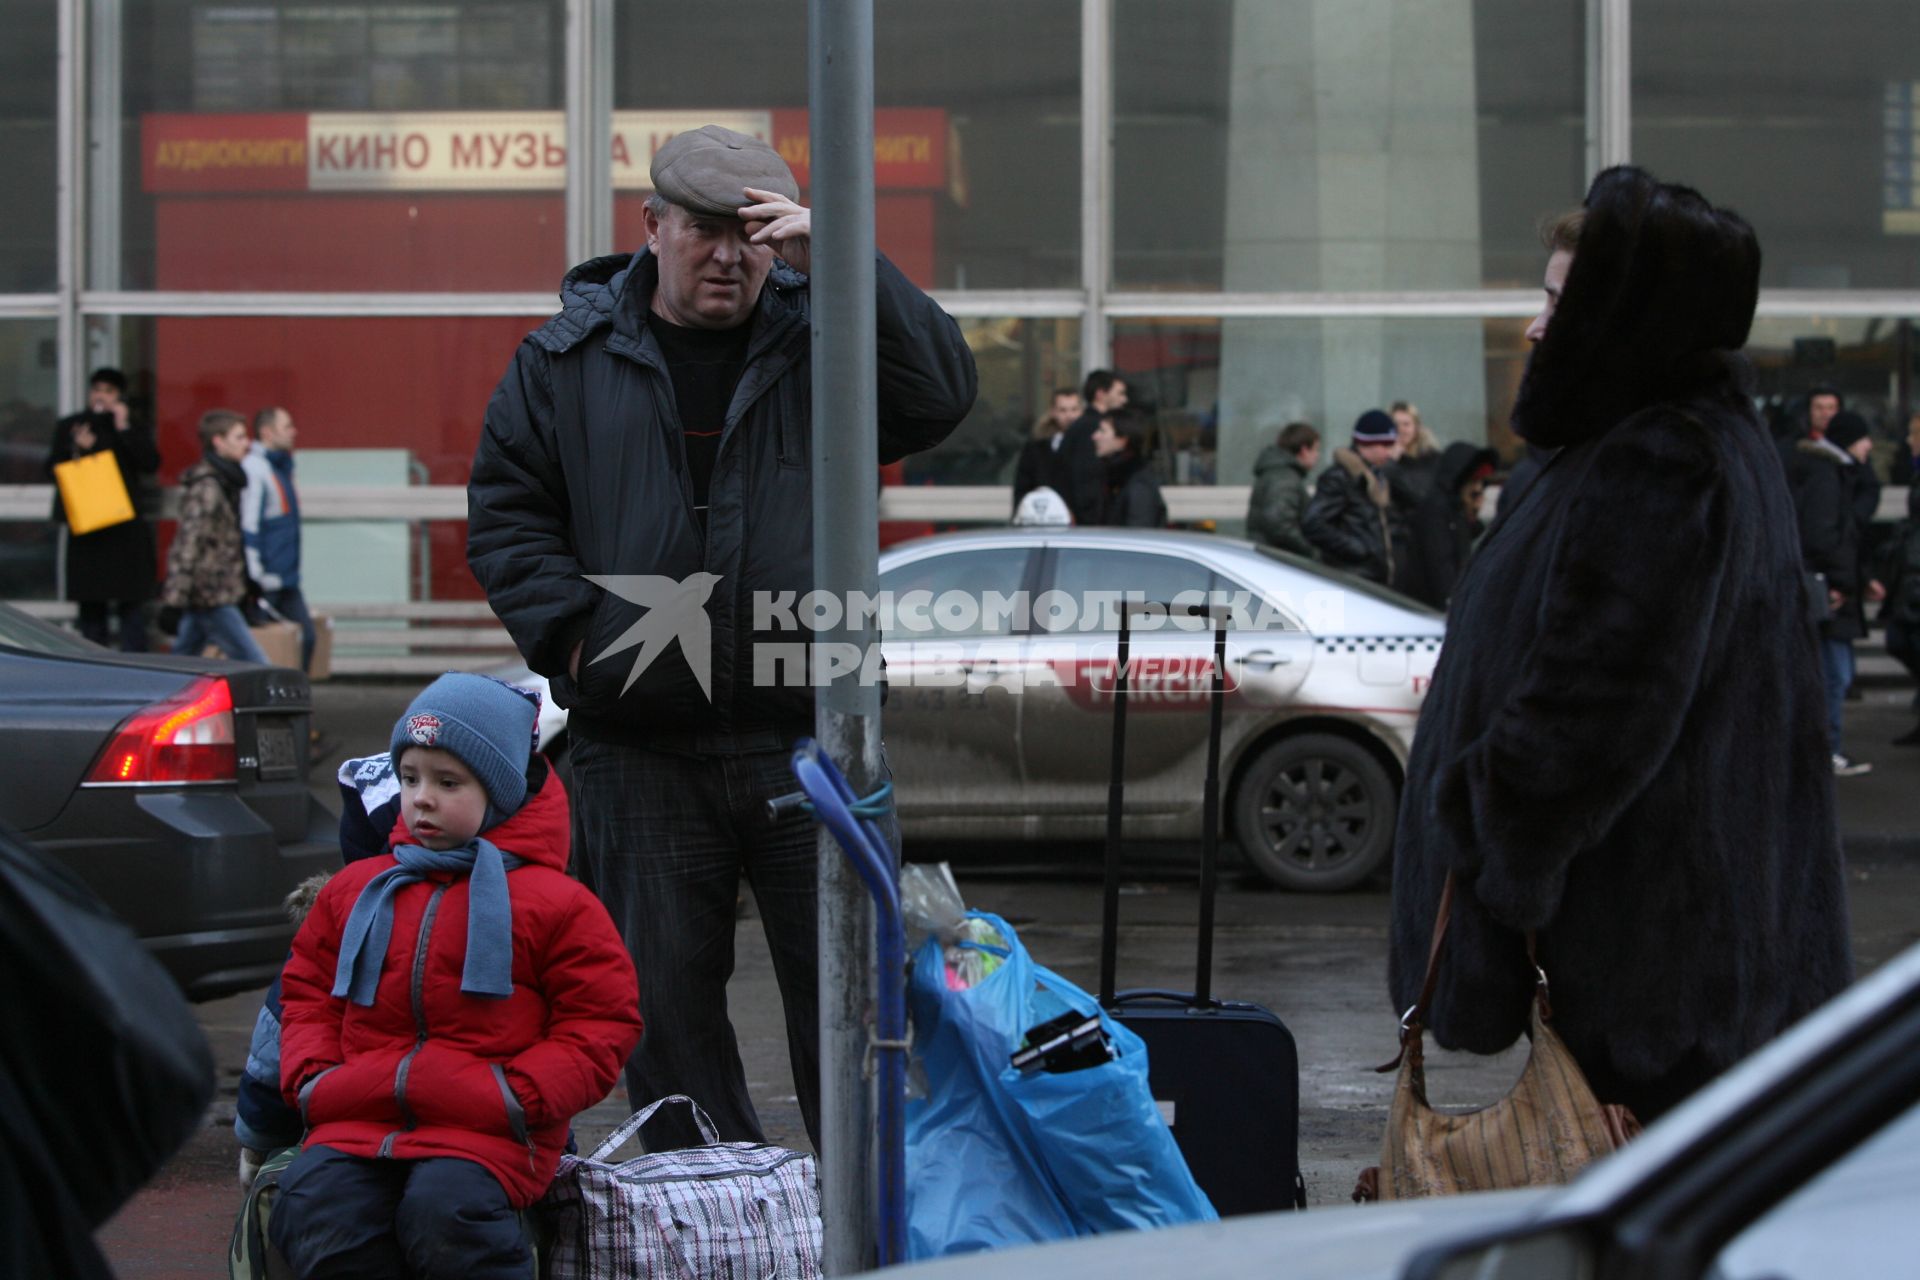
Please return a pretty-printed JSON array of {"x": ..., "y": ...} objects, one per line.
[{"x": 187, "y": 738}]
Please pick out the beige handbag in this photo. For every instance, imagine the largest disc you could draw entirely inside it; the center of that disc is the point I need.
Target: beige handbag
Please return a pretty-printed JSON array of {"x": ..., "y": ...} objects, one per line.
[{"x": 1547, "y": 1128}]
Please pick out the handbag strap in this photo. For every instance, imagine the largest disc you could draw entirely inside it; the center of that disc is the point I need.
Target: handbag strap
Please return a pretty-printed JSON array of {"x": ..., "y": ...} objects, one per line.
[
  {"x": 1414, "y": 1019},
  {"x": 631, "y": 1125}
]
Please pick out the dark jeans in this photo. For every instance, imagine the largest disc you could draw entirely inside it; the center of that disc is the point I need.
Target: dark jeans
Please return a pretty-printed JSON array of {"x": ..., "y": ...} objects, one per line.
[
  {"x": 663, "y": 838},
  {"x": 1903, "y": 642},
  {"x": 291, "y": 605},
  {"x": 133, "y": 623},
  {"x": 341, "y": 1215}
]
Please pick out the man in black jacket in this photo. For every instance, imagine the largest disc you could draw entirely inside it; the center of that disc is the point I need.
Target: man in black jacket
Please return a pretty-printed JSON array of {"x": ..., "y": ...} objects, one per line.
[
  {"x": 1826, "y": 475},
  {"x": 1079, "y": 474},
  {"x": 1350, "y": 519},
  {"x": 644, "y": 478}
]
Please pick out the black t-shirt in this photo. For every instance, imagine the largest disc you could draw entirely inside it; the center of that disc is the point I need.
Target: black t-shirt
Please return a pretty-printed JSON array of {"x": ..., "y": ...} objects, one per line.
[{"x": 705, "y": 366}]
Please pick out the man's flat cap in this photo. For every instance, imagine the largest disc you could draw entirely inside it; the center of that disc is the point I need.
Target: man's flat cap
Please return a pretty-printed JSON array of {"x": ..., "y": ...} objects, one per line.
[{"x": 705, "y": 170}]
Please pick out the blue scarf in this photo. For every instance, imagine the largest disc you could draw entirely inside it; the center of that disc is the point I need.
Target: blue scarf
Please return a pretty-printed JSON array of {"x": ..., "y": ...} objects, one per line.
[{"x": 489, "y": 965}]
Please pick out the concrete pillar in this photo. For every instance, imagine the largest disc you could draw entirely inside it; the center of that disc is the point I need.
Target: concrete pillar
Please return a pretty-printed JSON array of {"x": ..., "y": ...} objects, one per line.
[{"x": 1353, "y": 165}]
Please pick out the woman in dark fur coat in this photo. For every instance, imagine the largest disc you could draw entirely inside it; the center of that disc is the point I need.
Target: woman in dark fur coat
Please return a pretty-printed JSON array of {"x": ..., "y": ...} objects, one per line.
[{"x": 1624, "y": 747}]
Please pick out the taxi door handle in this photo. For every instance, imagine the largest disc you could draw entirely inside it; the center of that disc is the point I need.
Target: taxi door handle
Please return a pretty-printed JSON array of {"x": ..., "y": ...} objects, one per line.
[{"x": 1268, "y": 658}]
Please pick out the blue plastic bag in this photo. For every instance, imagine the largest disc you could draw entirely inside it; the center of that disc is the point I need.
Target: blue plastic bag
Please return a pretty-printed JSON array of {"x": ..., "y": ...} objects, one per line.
[{"x": 998, "y": 1157}]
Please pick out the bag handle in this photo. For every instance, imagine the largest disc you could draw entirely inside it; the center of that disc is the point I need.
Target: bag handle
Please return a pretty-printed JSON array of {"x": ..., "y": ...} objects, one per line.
[
  {"x": 1414, "y": 1019},
  {"x": 631, "y": 1125}
]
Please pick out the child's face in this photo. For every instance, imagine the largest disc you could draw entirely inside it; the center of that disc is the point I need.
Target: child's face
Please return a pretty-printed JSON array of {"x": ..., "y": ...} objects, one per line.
[{"x": 444, "y": 804}]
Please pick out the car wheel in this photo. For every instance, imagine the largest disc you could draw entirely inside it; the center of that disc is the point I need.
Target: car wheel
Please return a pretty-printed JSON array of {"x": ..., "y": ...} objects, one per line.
[{"x": 1315, "y": 812}]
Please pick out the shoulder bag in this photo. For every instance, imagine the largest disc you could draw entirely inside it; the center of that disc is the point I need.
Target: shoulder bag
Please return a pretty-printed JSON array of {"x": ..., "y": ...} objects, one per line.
[{"x": 1547, "y": 1128}]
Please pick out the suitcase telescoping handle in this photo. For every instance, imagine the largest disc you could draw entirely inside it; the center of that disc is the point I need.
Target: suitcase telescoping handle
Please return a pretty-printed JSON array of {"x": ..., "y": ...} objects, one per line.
[{"x": 1210, "y": 798}]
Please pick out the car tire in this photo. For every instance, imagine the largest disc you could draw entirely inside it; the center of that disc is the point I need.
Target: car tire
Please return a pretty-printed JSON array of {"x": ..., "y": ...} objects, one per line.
[{"x": 1315, "y": 813}]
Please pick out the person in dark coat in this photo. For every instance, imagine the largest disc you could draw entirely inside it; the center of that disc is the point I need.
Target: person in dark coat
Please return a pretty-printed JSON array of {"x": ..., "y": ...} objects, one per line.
[
  {"x": 110, "y": 571},
  {"x": 644, "y": 481},
  {"x": 1036, "y": 465},
  {"x": 1350, "y": 522},
  {"x": 1825, "y": 475},
  {"x": 1902, "y": 576},
  {"x": 1442, "y": 529},
  {"x": 1624, "y": 747},
  {"x": 1278, "y": 502},
  {"x": 1133, "y": 499},
  {"x": 1079, "y": 475}
]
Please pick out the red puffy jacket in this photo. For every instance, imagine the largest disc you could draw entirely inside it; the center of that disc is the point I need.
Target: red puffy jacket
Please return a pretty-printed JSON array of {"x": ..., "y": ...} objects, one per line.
[{"x": 426, "y": 1071}]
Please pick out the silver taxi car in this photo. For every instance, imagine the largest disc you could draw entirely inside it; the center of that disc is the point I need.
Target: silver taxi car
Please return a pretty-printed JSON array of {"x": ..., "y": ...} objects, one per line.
[{"x": 1001, "y": 645}]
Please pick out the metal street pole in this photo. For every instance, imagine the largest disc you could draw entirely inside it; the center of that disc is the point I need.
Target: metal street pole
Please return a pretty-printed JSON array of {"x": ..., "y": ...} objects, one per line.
[{"x": 845, "y": 560}]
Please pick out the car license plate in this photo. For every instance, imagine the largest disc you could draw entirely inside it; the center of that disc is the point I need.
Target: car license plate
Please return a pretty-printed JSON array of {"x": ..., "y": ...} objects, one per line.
[{"x": 277, "y": 755}]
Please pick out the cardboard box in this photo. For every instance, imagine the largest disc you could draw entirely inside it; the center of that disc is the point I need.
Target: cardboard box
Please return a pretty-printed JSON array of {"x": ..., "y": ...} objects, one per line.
[{"x": 322, "y": 647}]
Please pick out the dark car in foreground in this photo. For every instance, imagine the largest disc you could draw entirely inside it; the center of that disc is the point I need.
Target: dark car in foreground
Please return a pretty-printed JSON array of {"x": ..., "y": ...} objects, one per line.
[{"x": 176, "y": 788}]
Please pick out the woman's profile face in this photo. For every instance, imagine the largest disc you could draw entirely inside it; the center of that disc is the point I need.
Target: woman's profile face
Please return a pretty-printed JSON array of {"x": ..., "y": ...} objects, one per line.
[{"x": 1556, "y": 279}]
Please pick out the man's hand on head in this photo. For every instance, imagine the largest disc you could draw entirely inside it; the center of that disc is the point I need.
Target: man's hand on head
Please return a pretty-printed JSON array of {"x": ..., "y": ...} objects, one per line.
[{"x": 778, "y": 221}]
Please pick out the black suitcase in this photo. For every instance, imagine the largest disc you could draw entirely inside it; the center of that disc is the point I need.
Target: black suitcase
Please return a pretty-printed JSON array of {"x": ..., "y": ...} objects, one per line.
[{"x": 1226, "y": 1073}]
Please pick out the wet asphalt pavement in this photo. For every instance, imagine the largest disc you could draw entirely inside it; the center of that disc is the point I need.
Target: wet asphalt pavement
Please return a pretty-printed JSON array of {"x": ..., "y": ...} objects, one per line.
[{"x": 1319, "y": 962}]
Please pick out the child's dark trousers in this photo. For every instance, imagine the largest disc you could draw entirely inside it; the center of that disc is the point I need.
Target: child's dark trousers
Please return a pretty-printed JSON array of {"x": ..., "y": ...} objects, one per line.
[{"x": 341, "y": 1215}]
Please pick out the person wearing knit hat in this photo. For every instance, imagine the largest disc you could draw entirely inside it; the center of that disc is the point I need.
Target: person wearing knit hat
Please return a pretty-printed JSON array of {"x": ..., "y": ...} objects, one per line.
[
  {"x": 462, "y": 982},
  {"x": 1350, "y": 521},
  {"x": 487, "y": 724}
]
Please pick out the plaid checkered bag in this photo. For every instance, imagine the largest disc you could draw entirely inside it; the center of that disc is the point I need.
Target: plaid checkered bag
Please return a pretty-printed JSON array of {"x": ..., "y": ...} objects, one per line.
[{"x": 725, "y": 1211}]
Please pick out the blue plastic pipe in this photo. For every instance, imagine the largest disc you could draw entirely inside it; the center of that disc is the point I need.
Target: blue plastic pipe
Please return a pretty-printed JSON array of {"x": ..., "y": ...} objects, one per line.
[{"x": 872, "y": 860}]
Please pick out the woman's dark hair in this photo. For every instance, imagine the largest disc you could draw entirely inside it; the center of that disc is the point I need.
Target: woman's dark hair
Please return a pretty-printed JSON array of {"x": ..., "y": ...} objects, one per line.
[
  {"x": 108, "y": 376},
  {"x": 1133, "y": 427}
]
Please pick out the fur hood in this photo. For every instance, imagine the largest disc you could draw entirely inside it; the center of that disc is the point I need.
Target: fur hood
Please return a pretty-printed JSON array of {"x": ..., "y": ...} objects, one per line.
[
  {"x": 1658, "y": 302},
  {"x": 1820, "y": 450},
  {"x": 1378, "y": 491}
]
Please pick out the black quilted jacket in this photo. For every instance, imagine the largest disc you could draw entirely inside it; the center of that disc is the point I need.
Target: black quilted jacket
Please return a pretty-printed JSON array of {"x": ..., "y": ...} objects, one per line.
[{"x": 580, "y": 470}]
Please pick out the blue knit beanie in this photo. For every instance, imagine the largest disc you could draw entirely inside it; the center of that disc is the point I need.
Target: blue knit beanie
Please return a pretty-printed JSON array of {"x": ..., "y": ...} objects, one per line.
[{"x": 487, "y": 723}]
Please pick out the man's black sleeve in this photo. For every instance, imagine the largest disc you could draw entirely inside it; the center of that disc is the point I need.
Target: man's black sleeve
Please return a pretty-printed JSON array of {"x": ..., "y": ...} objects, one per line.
[
  {"x": 927, "y": 376},
  {"x": 519, "y": 524}
]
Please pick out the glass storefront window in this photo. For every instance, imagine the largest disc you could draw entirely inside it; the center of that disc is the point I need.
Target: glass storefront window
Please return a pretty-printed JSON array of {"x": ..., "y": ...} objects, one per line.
[
  {"x": 976, "y": 128},
  {"x": 1220, "y": 390},
  {"x": 1805, "y": 118},
  {"x": 288, "y": 146},
  {"x": 28, "y": 410},
  {"x": 1267, "y": 147},
  {"x": 1021, "y": 362},
  {"x": 27, "y": 150}
]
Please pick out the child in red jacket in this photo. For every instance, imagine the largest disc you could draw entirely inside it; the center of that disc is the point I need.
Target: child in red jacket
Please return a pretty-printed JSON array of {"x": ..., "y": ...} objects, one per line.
[{"x": 448, "y": 1009}]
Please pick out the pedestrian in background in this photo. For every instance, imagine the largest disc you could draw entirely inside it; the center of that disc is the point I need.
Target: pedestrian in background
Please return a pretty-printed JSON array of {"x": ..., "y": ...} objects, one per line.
[
  {"x": 1826, "y": 475},
  {"x": 1623, "y": 751},
  {"x": 1419, "y": 458},
  {"x": 1037, "y": 465},
  {"x": 1080, "y": 476},
  {"x": 1906, "y": 457},
  {"x": 110, "y": 572},
  {"x": 1133, "y": 500},
  {"x": 1902, "y": 576},
  {"x": 1278, "y": 502},
  {"x": 207, "y": 565},
  {"x": 1442, "y": 529},
  {"x": 1349, "y": 521},
  {"x": 270, "y": 523}
]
